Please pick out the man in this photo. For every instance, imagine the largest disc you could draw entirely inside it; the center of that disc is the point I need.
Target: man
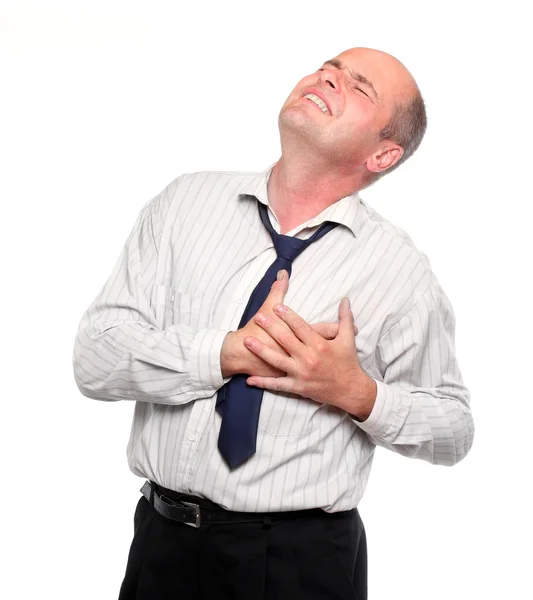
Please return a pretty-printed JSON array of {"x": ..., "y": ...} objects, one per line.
[{"x": 252, "y": 491}]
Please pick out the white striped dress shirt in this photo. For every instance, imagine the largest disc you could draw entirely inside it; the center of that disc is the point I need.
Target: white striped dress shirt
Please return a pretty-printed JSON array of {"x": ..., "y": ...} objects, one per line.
[{"x": 154, "y": 333}]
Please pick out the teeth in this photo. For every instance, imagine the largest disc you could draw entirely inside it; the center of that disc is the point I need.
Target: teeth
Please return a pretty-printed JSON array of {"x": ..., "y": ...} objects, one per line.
[{"x": 319, "y": 102}]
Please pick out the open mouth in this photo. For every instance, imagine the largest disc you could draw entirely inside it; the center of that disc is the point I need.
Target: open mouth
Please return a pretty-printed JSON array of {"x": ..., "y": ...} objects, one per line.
[{"x": 319, "y": 102}]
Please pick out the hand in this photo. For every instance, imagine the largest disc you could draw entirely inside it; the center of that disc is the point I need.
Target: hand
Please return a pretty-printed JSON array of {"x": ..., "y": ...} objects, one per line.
[
  {"x": 235, "y": 357},
  {"x": 327, "y": 371}
]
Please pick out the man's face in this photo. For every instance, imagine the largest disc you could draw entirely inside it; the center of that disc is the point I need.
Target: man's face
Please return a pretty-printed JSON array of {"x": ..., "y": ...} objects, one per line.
[{"x": 340, "y": 109}]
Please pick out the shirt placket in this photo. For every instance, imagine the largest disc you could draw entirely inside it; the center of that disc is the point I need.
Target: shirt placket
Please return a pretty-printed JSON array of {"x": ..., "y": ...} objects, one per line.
[{"x": 202, "y": 409}]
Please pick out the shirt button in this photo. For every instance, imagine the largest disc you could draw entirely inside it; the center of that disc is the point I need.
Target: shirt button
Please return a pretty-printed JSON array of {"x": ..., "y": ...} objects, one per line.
[
  {"x": 238, "y": 299},
  {"x": 209, "y": 387},
  {"x": 192, "y": 437}
]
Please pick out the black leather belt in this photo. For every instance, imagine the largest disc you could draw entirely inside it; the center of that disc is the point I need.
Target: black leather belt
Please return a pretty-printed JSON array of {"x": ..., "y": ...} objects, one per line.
[{"x": 196, "y": 511}]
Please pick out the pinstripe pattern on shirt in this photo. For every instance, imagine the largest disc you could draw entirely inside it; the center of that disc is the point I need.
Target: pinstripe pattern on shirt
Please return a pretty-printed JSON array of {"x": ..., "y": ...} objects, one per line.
[{"x": 153, "y": 334}]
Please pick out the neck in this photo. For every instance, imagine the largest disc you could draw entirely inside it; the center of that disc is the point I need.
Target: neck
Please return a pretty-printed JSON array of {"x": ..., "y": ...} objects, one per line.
[{"x": 298, "y": 191}]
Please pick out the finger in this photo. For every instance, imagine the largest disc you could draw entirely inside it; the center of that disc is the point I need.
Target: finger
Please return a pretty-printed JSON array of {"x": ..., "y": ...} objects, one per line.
[
  {"x": 279, "y": 288},
  {"x": 301, "y": 328},
  {"x": 346, "y": 323},
  {"x": 280, "y": 333},
  {"x": 276, "y": 384},
  {"x": 329, "y": 331},
  {"x": 272, "y": 357}
]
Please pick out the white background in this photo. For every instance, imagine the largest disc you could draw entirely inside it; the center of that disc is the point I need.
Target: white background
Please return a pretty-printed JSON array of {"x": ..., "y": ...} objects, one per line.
[{"x": 103, "y": 105}]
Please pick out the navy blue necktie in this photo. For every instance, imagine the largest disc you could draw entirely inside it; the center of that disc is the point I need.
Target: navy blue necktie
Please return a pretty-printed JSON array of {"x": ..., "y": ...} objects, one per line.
[{"x": 237, "y": 402}]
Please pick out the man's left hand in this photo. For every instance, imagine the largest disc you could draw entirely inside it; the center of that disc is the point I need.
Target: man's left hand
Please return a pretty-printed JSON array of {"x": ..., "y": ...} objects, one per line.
[{"x": 326, "y": 371}]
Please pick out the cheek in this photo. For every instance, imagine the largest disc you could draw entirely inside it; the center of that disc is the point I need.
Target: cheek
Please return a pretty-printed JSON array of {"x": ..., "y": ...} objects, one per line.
[{"x": 361, "y": 116}]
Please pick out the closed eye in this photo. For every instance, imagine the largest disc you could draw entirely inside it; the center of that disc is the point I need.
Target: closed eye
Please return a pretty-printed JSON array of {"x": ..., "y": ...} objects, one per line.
[{"x": 357, "y": 88}]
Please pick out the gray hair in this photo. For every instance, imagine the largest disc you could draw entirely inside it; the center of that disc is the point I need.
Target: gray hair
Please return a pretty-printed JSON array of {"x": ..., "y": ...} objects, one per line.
[{"x": 406, "y": 128}]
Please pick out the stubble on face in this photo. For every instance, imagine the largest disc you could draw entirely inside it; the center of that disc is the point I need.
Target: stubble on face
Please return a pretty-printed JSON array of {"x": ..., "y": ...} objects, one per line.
[
  {"x": 353, "y": 128},
  {"x": 298, "y": 120}
]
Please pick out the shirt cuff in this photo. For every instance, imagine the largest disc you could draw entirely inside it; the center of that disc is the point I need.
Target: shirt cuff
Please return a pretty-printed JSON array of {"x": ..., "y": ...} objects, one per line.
[
  {"x": 204, "y": 361},
  {"x": 380, "y": 419}
]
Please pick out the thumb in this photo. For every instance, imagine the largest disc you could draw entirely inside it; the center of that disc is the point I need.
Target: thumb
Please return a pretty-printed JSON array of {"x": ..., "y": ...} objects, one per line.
[
  {"x": 346, "y": 322},
  {"x": 279, "y": 288},
  {"x": 327, "y": 330}
]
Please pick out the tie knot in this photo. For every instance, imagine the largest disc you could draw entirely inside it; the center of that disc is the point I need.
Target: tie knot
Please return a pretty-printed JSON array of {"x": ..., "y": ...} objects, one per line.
[{"x": 288, "y": 247}]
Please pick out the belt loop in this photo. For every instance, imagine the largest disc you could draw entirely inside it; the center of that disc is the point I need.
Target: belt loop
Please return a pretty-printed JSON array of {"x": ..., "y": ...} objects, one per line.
[
  {"x": 266, "y": 521},
  {"x": 152, "y": 492}
]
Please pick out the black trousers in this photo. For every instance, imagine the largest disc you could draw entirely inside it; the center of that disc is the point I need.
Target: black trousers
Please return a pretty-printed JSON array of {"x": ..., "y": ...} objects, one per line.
[{"x": 320, "y": 557}]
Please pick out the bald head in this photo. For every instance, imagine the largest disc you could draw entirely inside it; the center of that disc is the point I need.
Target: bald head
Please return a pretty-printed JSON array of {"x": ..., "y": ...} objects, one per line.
[{"x": 391, "y": 80}]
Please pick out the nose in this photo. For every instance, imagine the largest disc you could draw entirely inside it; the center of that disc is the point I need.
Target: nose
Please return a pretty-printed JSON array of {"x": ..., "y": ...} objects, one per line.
[{"x": 330, "y": 77}]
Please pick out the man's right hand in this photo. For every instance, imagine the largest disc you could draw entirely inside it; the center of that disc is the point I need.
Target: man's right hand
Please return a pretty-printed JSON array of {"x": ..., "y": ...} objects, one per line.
[{"x": 235, "y": 356}]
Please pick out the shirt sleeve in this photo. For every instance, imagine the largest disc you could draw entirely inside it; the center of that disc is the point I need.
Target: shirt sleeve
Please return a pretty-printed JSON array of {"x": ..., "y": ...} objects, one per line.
[
  {"x": 422, "y": 407},
  {"x": 120, "y": 353}
]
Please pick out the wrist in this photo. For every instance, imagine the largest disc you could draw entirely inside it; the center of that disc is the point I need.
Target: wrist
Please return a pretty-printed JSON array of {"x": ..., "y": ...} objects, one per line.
[
  {"x": 228, "y": 356},
  {"x": 366, "y": 399},
  {"x": 362, "y": 397}
]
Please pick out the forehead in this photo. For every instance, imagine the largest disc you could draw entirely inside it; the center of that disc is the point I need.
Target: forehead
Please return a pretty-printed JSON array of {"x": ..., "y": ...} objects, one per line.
[{"x": 388, "y": 75}]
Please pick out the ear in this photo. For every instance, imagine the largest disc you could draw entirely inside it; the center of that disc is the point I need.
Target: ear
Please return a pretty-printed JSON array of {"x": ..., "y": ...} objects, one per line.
[{"x": 384, "y": 157}]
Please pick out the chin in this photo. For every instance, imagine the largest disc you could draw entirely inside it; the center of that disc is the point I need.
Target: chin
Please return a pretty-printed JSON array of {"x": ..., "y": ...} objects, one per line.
[{"x": 295, "y": 121}]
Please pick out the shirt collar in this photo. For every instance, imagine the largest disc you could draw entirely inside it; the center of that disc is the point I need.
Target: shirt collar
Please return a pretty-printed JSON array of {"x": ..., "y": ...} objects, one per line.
[{"x": 346, "y": 211}]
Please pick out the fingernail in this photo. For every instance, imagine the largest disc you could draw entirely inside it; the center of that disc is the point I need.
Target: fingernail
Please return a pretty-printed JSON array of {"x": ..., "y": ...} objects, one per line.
[
  {"x": 260, "y": 318},
  {"x": 279, "y": 309},
  {"x": 280, "y": 275}
]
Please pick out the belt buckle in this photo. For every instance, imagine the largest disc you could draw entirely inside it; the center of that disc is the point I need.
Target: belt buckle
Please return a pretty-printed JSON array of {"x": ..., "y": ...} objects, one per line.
[{"x": 197, "y": 514}]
